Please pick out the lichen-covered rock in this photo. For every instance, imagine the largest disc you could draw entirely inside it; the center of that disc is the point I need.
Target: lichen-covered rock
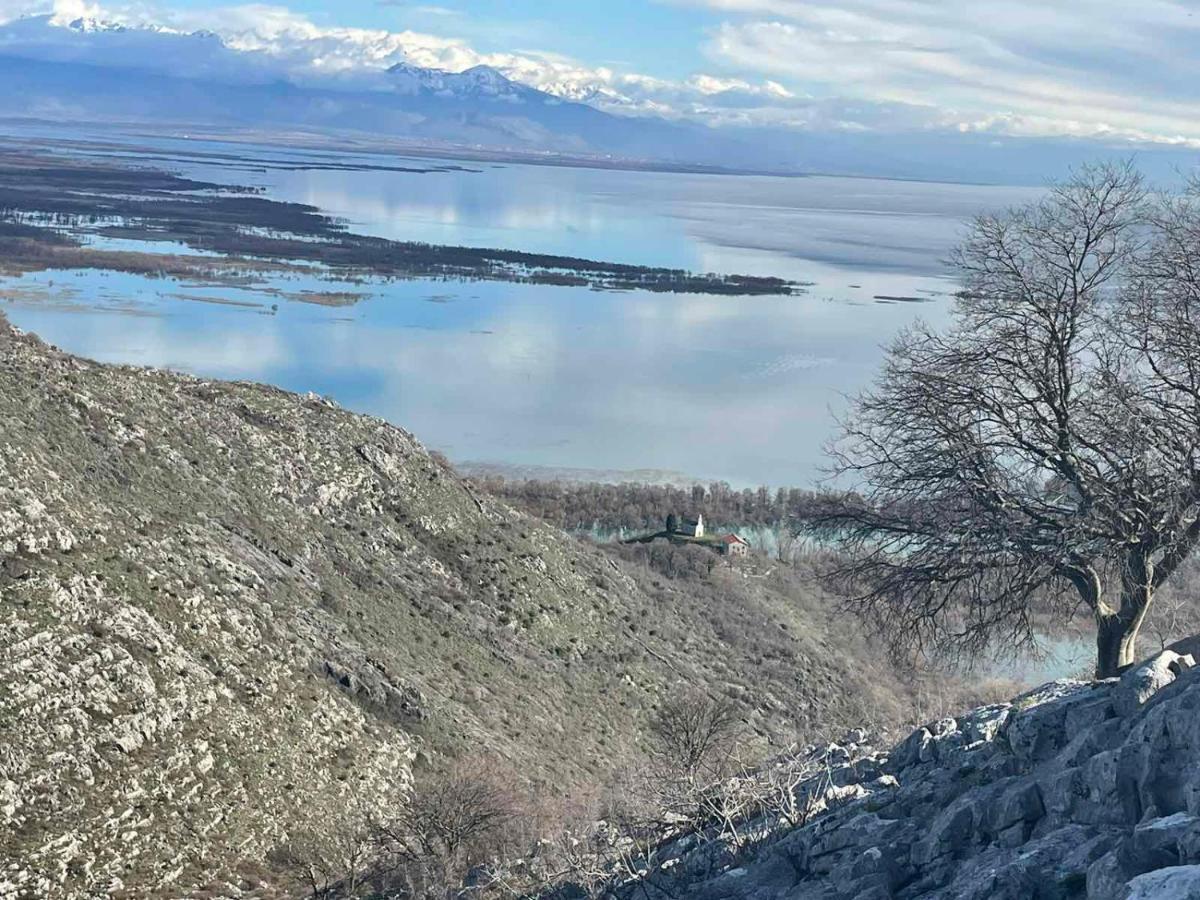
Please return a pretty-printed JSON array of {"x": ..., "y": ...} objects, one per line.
[
  {"x": 1155, "y": 844},
  {"x": 1038, "y": 726},
  {"x": 984, "y": 723},
  {"x": 1178, "y": 883}
]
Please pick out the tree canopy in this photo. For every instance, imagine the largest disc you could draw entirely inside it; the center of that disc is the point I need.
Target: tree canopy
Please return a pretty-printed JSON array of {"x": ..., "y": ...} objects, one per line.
[{"x": 1042, "y": 451}]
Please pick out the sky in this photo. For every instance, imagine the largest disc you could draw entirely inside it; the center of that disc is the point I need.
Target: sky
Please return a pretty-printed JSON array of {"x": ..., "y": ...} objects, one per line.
[{"x": 1096, "y": 69}]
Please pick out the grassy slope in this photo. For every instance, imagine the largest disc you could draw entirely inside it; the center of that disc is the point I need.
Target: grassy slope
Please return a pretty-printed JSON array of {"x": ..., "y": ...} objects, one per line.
[{"x": 227, "y": 611}]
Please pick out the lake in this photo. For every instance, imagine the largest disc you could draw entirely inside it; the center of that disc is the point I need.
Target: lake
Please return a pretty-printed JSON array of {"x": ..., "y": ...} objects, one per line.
[{"x": 743, "y": 389}]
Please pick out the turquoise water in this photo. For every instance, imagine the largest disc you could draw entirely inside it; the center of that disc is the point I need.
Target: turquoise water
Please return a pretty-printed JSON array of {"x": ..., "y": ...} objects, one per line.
[
  {"x": 740, "y": 389},
  {"x": 1067, "y": 655}
]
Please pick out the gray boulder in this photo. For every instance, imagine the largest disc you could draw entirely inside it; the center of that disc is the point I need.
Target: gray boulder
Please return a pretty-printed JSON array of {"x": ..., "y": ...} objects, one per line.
[
  {"x": 1176, "y": 883},
  {"x": 1107, "y": 878},
  {"x": 1037, "y": 728},
  {"x": 985, "y": 723},
  {"x": 1142, "y": 682},
  {"x": 1156, "y": 843}
]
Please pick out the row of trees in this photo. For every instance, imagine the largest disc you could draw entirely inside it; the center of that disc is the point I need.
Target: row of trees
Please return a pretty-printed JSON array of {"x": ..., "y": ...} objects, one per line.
[{"x": 639, "y": 507}]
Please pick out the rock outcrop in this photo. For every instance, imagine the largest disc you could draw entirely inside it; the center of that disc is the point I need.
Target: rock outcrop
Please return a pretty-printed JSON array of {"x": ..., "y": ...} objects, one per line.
[{"x": 1071, "y": 791}]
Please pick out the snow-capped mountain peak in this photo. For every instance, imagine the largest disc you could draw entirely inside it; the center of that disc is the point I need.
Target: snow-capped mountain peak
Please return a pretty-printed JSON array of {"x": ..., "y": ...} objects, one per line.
[
  {"x": 478, "y": 81},
  {"x": 92, "y": 25},
  {"x": 118, "y": 69},
  {"x": 89, "y": 25},
  {"x": 409, "y": 79},
  {"x": 485, "y": 78}
]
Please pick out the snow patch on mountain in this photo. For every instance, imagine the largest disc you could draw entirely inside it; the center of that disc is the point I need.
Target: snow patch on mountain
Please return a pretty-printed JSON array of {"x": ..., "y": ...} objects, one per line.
[{"x": 476, "y": 82}]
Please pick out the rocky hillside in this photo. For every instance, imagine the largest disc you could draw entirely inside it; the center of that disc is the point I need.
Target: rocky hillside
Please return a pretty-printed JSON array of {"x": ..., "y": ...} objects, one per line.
[
  {"x": 229, "y": 614},
  {"x": 1075, "y": 790}
]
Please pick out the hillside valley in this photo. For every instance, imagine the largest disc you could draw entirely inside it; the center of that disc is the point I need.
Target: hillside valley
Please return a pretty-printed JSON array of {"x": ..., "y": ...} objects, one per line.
[
  {"x": 657, "y": 450},
  {"x": 230, "y": 615}
]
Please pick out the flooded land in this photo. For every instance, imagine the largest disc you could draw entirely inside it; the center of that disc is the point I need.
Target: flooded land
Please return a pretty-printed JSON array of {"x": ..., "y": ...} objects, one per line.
[{"x": 61, "y": 211}]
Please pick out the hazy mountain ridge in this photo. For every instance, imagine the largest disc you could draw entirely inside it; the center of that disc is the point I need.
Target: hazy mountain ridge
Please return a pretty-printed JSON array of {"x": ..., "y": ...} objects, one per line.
[
  {"x": 478, "y": 81},
  {"x": 92, "y": 71}
]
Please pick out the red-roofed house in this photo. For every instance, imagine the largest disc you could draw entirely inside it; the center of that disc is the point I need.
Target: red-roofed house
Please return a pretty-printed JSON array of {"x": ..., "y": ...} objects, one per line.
[{"x": 732, "y": 545}]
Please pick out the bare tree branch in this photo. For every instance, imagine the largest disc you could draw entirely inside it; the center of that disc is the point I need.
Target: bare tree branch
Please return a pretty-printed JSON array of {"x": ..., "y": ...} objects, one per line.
[{"x": 1043, "y": 451}]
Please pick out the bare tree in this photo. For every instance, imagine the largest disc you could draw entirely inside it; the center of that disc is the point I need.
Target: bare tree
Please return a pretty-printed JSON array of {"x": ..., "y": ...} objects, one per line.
[
  {"x": 787, "y": 542},
  {"x": 1044, "y": 451},
  {"x": 1176, "y": 608},
  {"x": 693, "y": 732},
  {"x": 333, "y": 863},
  {"x": 453, "y": 823}
]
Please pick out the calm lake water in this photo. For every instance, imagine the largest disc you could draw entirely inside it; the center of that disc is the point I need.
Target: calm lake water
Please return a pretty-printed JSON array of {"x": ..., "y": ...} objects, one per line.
[{"x": 740, "y": 389}]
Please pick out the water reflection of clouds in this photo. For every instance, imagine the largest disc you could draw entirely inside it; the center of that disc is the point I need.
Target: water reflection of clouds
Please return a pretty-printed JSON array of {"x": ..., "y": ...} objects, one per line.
[
  {"x": 708, "y": 385},
  {"x": 899, "y": 243},
  {"x": 899, "y": 225},
  {"x": 399, "y": 208},
  {"x": 735, "y": 388},
  {"x": 156, "y": 341},
  {"x": 781, "y": 365}
]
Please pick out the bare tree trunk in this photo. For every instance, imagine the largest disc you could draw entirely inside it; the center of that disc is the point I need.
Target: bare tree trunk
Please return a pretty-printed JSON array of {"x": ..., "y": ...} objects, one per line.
[
  {"x": 1116, "y": 629},
  {"x": 1116, "y": 644},
  {"x": 1117, "y": 632}
]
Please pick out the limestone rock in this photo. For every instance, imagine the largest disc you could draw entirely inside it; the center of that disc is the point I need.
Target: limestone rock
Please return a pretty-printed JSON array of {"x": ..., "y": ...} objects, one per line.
[
  {"x": 1037, "y": 727},
  {"x": 1178, "y": 883},
  {"x": 1142, "y": 682},
  {"x": 1055, "y": 797}
]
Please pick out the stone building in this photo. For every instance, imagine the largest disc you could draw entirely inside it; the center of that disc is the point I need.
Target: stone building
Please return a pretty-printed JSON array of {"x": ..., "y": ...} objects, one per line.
[{"x": 733, "y": 545}]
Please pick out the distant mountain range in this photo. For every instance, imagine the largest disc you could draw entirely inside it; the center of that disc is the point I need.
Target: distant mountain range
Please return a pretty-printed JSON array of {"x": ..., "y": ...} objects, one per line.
[{"x": 93, "y": 71}]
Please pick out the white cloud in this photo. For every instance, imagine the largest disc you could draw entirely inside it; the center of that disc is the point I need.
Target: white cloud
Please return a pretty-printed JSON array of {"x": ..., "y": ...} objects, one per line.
[
  {"x": 69, "y": 10},
  {"x": 1101, "y": 68},
  {"x": 709, "y": 85},
  {"x": 435, "y": 11}
]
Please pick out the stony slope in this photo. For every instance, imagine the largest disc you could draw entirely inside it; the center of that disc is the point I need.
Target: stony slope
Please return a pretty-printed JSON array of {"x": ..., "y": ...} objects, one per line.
[
  {"x": 228, "y": 613},
  {"x": 1075, "y": 790}
]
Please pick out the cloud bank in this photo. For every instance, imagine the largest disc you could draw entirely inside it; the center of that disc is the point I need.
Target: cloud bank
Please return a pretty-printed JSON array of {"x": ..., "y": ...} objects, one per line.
[{"x": 1100, "y": 68}]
